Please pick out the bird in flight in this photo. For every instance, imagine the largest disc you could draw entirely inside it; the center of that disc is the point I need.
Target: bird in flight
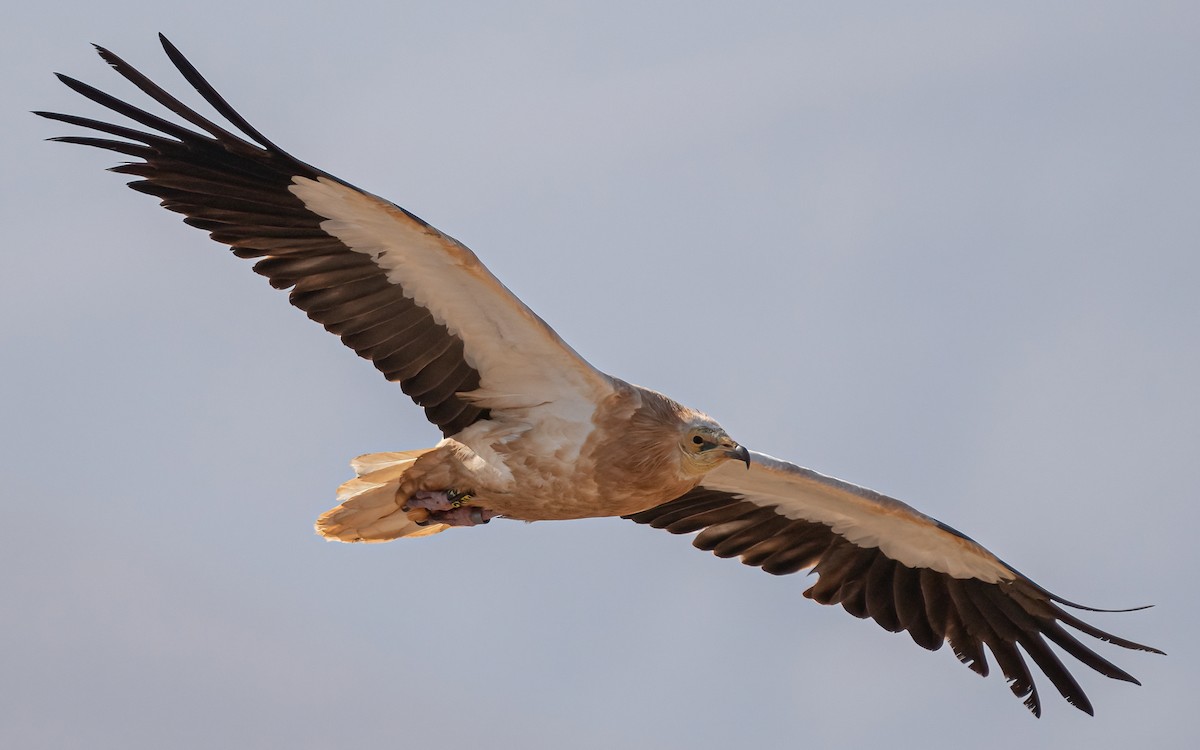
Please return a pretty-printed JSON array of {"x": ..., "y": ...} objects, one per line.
[{"x": 533, "y": 432}]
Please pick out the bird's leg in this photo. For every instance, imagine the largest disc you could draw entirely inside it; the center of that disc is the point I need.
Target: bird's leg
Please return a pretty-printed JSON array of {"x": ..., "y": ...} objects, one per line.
[
  {"x": 466, "y": 515},
  {"x": 450, "y": 507},
  {"x": 437, "y": 501},
  {"x": 442, "y": 467}
]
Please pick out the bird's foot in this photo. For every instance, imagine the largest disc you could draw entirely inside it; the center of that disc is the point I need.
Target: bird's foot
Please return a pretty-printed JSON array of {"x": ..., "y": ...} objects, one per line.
[
  {"x": 437, "y": 501},
  {"x": 467, "y": 515},
  {"x": 449, "y": 507}
]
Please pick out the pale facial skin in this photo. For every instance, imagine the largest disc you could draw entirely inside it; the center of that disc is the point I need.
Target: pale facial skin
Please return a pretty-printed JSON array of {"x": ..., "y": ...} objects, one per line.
[{"x": 705, "y": 446}]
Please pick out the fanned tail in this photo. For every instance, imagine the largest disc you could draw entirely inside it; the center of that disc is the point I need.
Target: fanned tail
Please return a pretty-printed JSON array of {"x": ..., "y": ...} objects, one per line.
[{"x": 369, "y": 509}]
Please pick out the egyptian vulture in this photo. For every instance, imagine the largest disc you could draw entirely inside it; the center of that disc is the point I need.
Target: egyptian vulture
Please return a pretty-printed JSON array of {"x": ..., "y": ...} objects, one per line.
[{"x": 533, "y": 432}]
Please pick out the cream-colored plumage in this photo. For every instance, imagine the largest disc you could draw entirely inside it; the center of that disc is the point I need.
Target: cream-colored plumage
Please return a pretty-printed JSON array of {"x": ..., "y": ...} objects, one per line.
[
  {"x": 369, "y": 509},
  {"x": 531, "y": 431}
]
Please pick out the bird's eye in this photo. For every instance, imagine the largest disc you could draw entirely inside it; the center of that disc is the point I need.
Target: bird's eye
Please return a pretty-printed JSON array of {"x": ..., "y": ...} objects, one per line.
[{"x": 698, "y": 440}]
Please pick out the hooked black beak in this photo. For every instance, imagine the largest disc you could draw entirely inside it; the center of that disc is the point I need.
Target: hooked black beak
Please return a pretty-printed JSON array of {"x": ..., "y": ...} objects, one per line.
[{"x": 740, "y": 453}]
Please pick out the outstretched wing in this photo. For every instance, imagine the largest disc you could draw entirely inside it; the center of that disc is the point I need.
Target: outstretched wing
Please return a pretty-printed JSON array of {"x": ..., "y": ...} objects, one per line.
[
  {"x": 414, "y": 301},
  {"x": 879, "y": 558}
]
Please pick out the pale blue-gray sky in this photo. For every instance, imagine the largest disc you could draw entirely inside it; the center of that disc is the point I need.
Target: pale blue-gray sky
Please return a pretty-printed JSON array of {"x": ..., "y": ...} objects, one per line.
[{"x": 951, "y": 249}]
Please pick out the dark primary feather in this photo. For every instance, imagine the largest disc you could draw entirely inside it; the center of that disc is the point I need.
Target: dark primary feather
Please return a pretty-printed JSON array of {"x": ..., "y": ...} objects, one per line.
[
  {"x": 238, "y": 192},
  {"x": 1011, "y": 619}
]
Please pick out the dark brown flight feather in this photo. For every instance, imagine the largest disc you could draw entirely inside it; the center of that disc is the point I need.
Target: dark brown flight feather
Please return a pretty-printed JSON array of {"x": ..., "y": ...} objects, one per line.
[
  {"x": 238, "y": 192},
  {"x": 932, "y": 607}
]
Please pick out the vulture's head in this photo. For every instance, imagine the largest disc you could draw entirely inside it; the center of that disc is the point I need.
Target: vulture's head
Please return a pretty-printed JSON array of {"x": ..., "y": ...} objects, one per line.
[{"x": 705, "y": 446}]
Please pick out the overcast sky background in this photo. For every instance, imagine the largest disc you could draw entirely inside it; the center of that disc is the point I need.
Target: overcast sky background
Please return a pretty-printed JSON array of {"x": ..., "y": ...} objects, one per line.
[{"x": 944, "y": 250}]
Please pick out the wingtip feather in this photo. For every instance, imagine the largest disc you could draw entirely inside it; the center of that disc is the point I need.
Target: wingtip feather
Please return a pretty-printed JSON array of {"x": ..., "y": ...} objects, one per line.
[{"x": 1086, "y": 608}]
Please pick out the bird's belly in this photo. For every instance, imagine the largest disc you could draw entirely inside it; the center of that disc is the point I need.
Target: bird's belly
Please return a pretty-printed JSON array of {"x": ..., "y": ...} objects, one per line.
[
  {"x": 553, "y": 472},
  {"x": 548, "y": 497},
  {"x": 538, "y": 496},
  {"x": 560, "y": 507}
]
